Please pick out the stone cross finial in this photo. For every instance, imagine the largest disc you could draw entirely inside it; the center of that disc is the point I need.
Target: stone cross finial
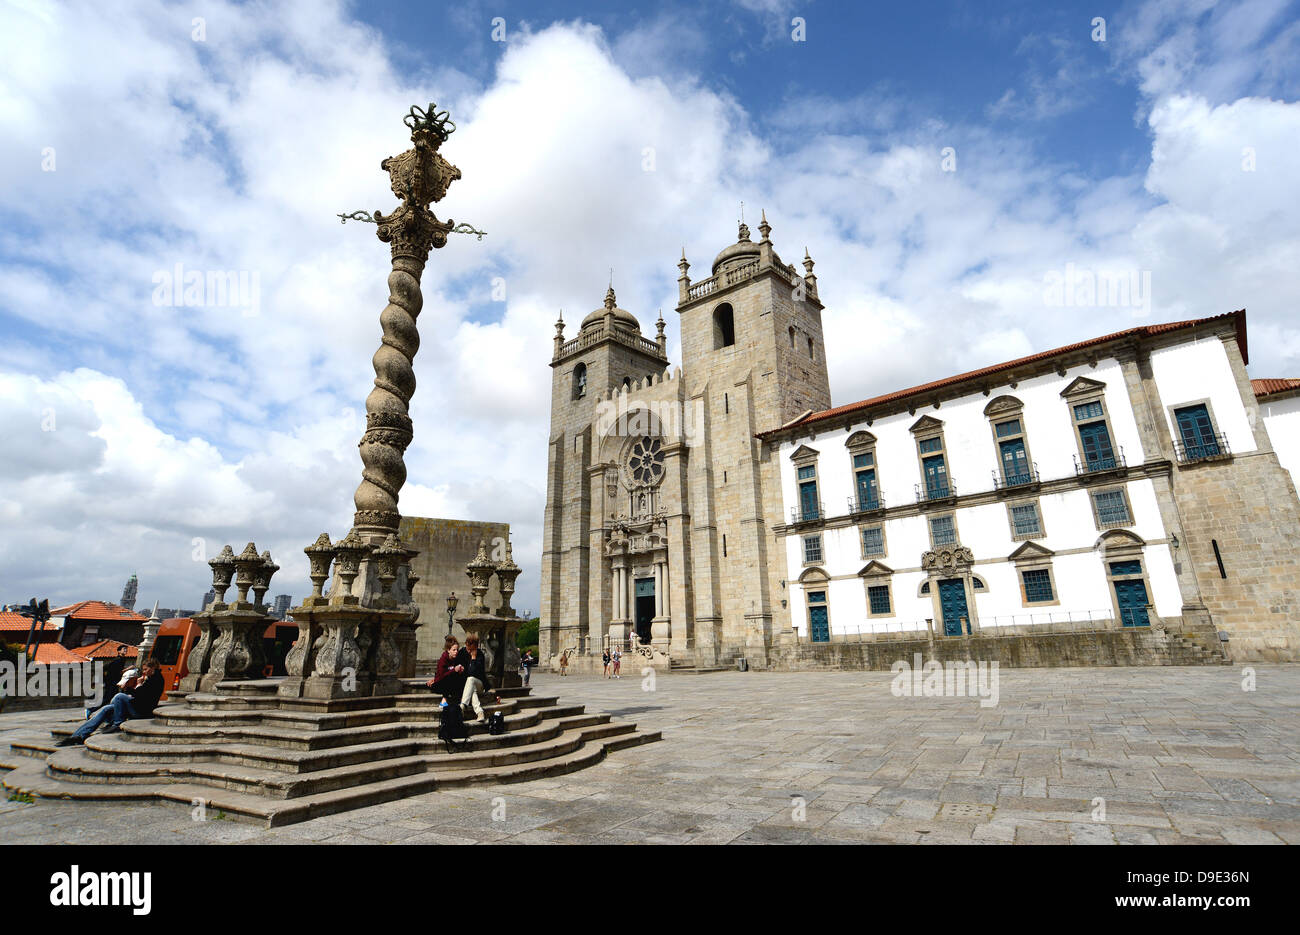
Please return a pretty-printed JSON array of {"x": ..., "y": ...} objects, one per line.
[
  {"x": 744, "y": 233},
  {"x": 610, "y": 301},
  {"x": 479, "y": 571},
  {"x": 319, "y": 556},
  {"x": 223, "y": 567}
]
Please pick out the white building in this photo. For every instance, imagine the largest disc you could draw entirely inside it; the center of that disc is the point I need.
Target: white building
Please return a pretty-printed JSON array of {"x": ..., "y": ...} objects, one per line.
[{"x": 1122, "y": 481}]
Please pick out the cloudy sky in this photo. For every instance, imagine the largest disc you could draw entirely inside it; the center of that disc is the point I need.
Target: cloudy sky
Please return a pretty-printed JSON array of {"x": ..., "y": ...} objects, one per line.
[{"x": 941, "y": 161}]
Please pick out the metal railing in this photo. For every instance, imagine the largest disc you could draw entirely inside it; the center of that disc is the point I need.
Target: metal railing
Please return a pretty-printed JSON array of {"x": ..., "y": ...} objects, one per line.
[
  {"x": 926, "y": 493},
  {"x": 1088, "y": 466},
  {"x": 1074, "y": 621},
  {"x": 866, "y": 504},
  {"x": 1206, "y": 449},
  {"x": 1024, "y": 478},
  {"x": 807, "y": 514}
]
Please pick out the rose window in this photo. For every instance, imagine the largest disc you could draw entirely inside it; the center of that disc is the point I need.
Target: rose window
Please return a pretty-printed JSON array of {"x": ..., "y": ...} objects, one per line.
[{"x": 646, "y": 464}]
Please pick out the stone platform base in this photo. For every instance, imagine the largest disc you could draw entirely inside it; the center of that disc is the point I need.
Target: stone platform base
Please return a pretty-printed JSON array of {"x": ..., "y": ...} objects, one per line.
[
  {"x": 242, "y": 751},
  {"x": 1135, "y": 646}
]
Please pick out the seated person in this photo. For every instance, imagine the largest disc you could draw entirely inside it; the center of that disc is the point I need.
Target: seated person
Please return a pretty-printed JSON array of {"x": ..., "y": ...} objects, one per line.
[
  {"x": 470, "y": 673},
  {"x": 447, "y": 666},
  {"x": 138, "y": 701}
]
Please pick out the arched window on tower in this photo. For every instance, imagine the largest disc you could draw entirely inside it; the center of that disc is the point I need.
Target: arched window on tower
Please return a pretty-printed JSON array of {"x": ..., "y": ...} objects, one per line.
[
  {"x": 792, "y": 336},
  {"x": 812, "y": 355},
  {"x": 724, "y": 327},
  {"x": 579, "y": 381}
]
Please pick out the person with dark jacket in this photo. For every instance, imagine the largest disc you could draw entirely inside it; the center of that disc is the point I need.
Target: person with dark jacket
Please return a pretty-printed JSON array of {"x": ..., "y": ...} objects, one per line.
[
  {"x": 448, "y": 679},
  {"x": 473, "y": 665},
  {"x": 113, "y": 671},
  {"x": 138, "y": 701}
]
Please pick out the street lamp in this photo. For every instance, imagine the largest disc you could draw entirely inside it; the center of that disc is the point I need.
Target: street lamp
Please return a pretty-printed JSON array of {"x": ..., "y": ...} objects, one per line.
[{"x": 451, "y": 610}]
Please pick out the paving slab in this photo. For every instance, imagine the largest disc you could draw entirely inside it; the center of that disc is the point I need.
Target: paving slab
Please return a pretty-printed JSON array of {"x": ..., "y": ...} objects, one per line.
[{"x": 1180, "y": 755}]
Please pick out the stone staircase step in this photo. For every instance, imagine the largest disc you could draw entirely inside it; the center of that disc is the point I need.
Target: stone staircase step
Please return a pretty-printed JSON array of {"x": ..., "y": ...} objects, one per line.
[{"x": 32, "y": 777}]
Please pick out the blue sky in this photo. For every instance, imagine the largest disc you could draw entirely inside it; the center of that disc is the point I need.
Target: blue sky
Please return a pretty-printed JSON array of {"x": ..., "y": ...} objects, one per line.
[{"x": 145, "y": 435}]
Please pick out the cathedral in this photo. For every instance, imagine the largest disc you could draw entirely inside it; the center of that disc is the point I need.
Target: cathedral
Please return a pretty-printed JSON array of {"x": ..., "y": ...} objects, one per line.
[
  {"x": 1120, "y": 500},
  {"x": 660, "y": 501}
]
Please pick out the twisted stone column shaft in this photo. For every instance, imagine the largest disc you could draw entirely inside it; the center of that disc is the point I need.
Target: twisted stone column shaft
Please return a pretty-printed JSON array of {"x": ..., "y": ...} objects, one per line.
[{"x": 388, "y": 423}]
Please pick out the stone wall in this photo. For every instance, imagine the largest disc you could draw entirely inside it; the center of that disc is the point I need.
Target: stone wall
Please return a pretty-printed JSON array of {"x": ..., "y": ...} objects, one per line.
[
  {"x": 445, "y": 546},
  {"x": 1111, "y": 647},
  {"x": 1247, "y": 506}
]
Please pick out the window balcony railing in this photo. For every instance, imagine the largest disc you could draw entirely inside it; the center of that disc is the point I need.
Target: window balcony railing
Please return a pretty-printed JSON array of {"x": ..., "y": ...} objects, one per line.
[
  {"x": 930, "y": 492},
  {"x": 1088, "y": 466},
  {"x": 1025, "y": 478},
  {"x": 1207, "y": 449},
  {"x": 809, "y": 513},
  {"x": 866, "y": 504}
]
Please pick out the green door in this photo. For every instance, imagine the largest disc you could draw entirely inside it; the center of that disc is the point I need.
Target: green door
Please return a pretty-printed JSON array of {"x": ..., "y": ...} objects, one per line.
[
  {"x": 952, "y": 601},
  {"x": 819, "y": 628},
  {"x": 1132, "y": 597}
]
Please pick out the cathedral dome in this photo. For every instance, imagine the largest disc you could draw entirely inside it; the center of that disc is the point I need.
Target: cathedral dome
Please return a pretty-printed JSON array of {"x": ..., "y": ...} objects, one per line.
[
  {"x": 741, "y": 251},
  {"x": 622, "y": 317}
]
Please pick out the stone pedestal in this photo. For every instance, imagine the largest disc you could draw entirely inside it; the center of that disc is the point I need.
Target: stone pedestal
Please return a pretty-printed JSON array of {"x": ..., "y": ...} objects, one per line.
[
  {"x": 237, "y": 649},
  {"x": 201, "y": 652},
  {"x": 494, "y": 632},
  {"x": 336, "y": 671},
  {"x": 302, "y": 655}
]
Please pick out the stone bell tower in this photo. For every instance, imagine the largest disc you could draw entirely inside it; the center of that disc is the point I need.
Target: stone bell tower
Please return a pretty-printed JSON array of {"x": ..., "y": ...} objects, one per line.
[
  {"x": 753, "y": 354},
  {"x": 608, "y": 351}
]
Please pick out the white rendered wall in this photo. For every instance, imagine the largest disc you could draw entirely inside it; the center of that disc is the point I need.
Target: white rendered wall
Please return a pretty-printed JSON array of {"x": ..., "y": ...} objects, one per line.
[
  {"x": 1187, "y": 373},
  {"x": 1282, "y": 420}
]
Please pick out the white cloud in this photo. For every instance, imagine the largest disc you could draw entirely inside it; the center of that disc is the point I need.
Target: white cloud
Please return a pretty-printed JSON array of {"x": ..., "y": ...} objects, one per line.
[{"x": 176, "y": 423}]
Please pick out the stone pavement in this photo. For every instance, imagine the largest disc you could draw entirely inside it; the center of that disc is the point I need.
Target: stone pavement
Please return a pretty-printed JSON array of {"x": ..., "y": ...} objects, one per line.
[{"x": 1173, "y": 755}]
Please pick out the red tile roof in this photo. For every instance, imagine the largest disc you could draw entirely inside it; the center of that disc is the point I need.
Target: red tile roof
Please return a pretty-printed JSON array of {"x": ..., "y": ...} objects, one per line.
[
  {"x": 1271, "y": 386},
  {"x": 1145, "y": 331},
  {"x": 11, "y": 621},
  {"x": 52, "y": 653},
  {"x": 97, "y": 610},
  {"x": 105, "y": 649}
]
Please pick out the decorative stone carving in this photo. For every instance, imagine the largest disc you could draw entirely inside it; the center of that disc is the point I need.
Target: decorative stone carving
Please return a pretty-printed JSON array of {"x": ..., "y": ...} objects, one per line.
[
  {"x": 348, "y": 553},
  {"x": 479, "y": 570},
  {"x": 262, "y": 576},
  {"x": 247, "y": 565},
  {"x": 949, "y": 557},
  {"x": 507, "y": 571},
  {"x": 320, "y": 555},
  {"x": 223, "y": 567}
]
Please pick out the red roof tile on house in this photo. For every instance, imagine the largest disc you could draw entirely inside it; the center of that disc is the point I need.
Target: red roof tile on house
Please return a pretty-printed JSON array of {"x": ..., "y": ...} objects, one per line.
[
  {"x": 1145, "y": 331},
  {"x": 11, "y": 622},
  {"x": 97, "y": 610},
  {"x": 1271, "y": 386},
  {"x": 105, "y": 649},
  {"x": 51, "y": 653}
]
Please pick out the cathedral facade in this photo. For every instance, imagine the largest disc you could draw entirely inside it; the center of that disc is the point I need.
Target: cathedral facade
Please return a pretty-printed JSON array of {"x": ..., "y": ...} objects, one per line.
[
  {"x": 661, "y": 499},
  {"x": 1122, "y": 500}
]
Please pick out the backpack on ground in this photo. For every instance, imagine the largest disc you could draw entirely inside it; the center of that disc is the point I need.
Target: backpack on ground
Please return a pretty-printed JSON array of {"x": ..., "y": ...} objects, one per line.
[
  {"x": 496, "y": 723},
  {"x": 452, "y": 727}
]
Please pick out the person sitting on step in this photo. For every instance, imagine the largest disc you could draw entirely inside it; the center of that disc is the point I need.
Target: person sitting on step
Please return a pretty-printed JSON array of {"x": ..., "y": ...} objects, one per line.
[
  {"x": 137, "y": 701},
  {"x": 446, "y": 666},
  {"x": 474, "y": 664}
]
